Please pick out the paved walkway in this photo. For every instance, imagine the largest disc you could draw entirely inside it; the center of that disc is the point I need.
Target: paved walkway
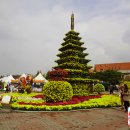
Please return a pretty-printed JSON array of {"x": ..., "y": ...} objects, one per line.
[{"x": 91, "y": 119}]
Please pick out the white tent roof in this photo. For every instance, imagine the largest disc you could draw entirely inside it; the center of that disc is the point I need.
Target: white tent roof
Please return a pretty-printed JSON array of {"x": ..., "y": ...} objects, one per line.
[
  {"x": 7, "y": 79},
  {"x": 40, "y": 77},
  {"x": 23, "y": 75},
  {"x": 3, "y": 79}
]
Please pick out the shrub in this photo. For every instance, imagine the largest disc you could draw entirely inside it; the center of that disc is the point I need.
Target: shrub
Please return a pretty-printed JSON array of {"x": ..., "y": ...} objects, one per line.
[
  {"x": 55, "y": 91},
  {"x": 80, "y": 89},
  {"x": 58, "y": 74},
  {"x": 28, "y": 89},
  {"x": 98, "y": 88}
]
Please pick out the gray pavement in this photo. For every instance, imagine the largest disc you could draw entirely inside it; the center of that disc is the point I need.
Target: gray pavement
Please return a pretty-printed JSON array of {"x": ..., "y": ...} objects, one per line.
[{"x": 90, "y": 119}]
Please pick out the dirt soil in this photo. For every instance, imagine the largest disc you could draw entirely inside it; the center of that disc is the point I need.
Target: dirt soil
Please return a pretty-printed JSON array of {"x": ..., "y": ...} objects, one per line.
[{"x": 90, "y": 119}]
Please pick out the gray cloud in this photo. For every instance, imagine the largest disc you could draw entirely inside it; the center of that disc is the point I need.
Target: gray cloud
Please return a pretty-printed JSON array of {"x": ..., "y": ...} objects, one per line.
[{"x": 31, "y": 32}]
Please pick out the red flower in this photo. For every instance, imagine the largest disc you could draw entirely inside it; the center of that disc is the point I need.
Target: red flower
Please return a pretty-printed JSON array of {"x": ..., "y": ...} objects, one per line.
[
  {"x": 39, "y": 96},
  {"x": 74, "y": 100}
]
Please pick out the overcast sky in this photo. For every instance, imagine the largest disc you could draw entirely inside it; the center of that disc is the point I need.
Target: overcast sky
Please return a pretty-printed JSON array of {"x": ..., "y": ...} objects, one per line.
[{"x": 31, "y": 32}]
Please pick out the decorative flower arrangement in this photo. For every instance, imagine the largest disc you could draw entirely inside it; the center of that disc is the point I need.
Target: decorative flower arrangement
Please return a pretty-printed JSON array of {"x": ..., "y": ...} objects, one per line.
[
  {"x": 36, "y": 102},
  {"x": 74, "y": 100},
  {"x": 104, "y": 101},
  {"x": 39, "y": 96},
  {"x": 77, "y": 102}
]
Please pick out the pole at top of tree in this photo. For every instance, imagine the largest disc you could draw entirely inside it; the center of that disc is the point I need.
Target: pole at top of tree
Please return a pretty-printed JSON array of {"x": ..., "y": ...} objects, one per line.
[{"x": 72, "y": 21}]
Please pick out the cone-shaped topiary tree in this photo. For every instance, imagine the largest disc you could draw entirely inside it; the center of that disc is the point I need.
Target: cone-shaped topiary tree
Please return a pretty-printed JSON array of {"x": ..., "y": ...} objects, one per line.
[{"x": 72, "y": 58}]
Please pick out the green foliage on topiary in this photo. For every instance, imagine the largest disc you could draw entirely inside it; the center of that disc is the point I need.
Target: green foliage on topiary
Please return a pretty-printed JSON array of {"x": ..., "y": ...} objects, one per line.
[
  {"x": 55, "y": 91},
  {"x": 98, "y": 88},
  {"x": 81, "y": 80},
  {"x": 80, "y": 89},
  {"x": 72, "y": 57}
]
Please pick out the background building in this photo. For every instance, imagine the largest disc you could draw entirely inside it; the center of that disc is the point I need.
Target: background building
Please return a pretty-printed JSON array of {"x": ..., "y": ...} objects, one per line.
[{"x": 123, "y": 67}]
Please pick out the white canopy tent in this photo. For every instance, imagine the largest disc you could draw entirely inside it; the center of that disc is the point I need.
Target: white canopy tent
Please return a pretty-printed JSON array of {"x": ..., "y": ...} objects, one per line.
[
  {"x": 40, "y": 78},
  {"x": 7, "y": 79},
  {"x": 2, "y": 79}
]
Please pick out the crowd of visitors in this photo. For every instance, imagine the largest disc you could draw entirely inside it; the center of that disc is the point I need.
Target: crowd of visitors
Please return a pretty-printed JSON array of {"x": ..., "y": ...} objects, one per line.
[{"x": 14, "y": 87}]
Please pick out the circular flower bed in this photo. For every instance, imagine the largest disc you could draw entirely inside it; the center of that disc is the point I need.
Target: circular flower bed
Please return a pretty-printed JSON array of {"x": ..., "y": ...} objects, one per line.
[{"x": 36, "y": 102}]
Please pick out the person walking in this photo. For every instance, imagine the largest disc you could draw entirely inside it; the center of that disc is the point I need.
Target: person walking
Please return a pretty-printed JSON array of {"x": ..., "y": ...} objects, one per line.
[
  {"x": 11, "y": 88},
  {"x": 126, "y": 101},
  {"x": 111, "y": 89},
  {"x": 121, "y": 90}
]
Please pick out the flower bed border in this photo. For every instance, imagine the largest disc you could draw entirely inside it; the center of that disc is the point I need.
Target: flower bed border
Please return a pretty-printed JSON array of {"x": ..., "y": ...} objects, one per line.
[
  {"x": 92, "y": 103},
  {"x": 112, "y": 101}
]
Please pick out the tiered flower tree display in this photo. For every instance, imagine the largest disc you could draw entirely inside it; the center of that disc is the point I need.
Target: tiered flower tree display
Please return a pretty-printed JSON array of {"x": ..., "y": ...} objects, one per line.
[{"x": 72, "y": 59}]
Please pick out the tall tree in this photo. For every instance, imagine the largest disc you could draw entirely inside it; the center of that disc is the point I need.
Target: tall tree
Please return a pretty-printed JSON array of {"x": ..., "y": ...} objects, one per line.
[
  {"x": 110, "y": 76},
  {"x": 72, "y": 57}
]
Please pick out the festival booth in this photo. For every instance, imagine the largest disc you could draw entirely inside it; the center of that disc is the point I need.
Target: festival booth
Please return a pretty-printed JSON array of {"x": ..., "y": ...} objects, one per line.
[
  {"x": 3, "y": 79},
  {"x": 7, "y": 79},
  {"x": 38, "y": 82},
  {"x": 22, "y": 82},
  {"x": 16, "y": 82}
]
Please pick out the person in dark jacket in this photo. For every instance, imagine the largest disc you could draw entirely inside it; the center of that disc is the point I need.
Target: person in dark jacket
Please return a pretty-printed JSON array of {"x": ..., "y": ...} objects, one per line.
[
  {"x": 111, "y": 89},
  {"x": 126, "y": 102}
]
